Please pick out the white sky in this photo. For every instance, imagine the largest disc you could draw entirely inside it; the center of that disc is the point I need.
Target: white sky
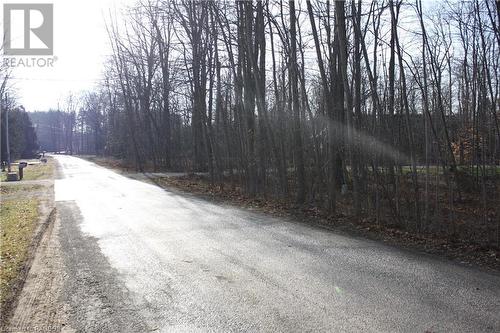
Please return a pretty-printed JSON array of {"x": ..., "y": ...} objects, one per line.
[{"x": 80, "y": 45}]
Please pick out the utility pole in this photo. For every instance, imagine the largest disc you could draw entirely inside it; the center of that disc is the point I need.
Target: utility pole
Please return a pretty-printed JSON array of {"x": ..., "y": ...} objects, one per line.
[{"x": 7, "y": 132}]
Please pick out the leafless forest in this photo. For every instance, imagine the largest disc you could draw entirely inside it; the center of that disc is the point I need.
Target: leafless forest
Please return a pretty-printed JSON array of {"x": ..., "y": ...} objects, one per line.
[{"x": 387, "y": 111}]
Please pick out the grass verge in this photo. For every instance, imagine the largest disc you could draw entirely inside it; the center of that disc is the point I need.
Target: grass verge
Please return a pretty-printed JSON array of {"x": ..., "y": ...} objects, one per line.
[
  {"x": 6, "y": 190},
  {"x": 35, "y": 171},
  {"x": 18, "y": 220}
]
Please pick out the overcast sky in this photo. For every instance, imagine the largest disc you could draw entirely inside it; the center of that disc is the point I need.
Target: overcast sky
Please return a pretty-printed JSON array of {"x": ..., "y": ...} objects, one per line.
[{"x": 80, "y": 45}]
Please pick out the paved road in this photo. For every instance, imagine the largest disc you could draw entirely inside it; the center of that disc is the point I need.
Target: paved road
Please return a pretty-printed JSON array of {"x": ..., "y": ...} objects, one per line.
[{"x": 138, "y": 258}]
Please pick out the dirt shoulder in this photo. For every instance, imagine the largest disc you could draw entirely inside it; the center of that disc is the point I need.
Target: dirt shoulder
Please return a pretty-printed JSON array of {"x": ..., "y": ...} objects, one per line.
[{"x": 39, "y": 307}]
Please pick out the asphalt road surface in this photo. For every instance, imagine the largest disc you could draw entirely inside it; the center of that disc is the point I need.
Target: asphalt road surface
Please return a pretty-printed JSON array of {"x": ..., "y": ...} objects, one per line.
[{"x": 138, "y": 258}]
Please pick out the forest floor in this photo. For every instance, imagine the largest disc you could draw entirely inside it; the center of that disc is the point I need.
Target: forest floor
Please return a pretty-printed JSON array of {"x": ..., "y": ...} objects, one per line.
[
  {"x": 463, "y": 250},
  {"x": 24, "y": 214}
]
